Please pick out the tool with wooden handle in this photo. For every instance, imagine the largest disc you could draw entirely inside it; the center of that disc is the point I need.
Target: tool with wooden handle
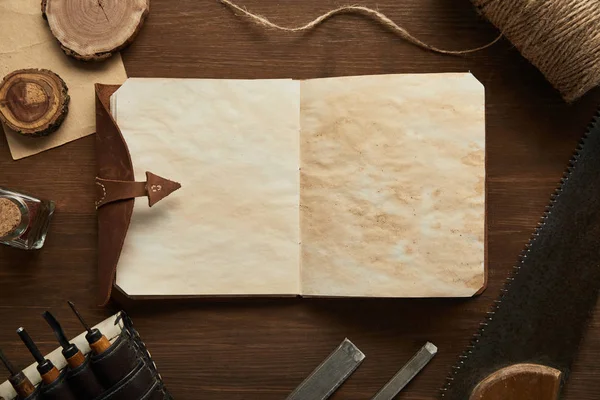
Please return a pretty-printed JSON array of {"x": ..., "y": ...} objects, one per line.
[
  {"x": 45, "y": 367},
  {"x": 82, "y": 380},
  {"x": 98, "y": 342},
  {"x": 70, "y": 351},
  {"x": 17, "y": 379},
  {"x": 525, "y": 347}
]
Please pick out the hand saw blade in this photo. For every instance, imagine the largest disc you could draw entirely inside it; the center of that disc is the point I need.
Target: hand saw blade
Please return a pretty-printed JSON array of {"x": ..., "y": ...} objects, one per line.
[{"x": 542, "y": 312}]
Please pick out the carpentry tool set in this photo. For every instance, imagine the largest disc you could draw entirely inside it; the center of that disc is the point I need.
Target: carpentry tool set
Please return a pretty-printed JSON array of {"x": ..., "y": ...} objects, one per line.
[
  {"x": 297, "y": 188},
  {"x": 109, "y": 361}
]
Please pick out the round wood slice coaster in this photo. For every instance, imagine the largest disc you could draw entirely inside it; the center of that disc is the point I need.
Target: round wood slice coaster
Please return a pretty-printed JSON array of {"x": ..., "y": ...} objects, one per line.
[
  {"x": 33, "y": 102},
  {"x": 94, "y": 29}
]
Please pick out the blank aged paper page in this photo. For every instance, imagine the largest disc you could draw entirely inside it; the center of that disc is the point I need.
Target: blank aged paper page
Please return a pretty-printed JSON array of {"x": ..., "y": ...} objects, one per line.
[
  {"x": 392, "y": 186},
  {"x": 233, "y": 227}
]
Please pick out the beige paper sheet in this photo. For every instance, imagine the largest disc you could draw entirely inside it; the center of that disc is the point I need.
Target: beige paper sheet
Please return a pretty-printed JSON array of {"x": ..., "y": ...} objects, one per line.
[
  {"x": 233, "y": 227},
  {"x": 392, "y": 186},
  {"x": 26, "y": 42}
]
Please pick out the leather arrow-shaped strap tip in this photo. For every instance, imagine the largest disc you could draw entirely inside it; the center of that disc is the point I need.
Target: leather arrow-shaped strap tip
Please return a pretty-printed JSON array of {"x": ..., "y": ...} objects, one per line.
[
  {"x": 158, "y": 188},
  {"x": 155, "y": 187}
]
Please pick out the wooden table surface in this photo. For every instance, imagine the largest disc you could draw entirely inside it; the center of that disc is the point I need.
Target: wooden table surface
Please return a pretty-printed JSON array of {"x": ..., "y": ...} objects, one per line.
[{"x": 262, "y": 349}]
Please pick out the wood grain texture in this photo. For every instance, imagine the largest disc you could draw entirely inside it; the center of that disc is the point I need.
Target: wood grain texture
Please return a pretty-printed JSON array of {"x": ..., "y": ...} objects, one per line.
[
  {"x": 520, "y": 382},
  {"x": 262, "y": 349},
  {"x": 33, "y": 102},
  {"x": 76, "y": 360},
  {"x": 100, "y": 346},
  {"x": 93, "y": 30}
]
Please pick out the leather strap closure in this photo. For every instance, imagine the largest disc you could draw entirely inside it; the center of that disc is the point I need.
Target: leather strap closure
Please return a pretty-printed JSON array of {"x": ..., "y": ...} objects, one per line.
[{"x": 155, "y": 187}]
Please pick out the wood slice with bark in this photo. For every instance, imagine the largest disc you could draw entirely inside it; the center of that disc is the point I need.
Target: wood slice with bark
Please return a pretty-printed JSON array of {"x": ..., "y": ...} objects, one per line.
[
  {"x": 94, "y": 29},
  {"x": 33, "y": 102}
]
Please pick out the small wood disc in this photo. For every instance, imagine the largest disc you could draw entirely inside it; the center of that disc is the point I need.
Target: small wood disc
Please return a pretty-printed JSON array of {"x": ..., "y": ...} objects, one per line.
[
  {"x": 94, "y": 29},
  {"x": 33, "y": 102}
]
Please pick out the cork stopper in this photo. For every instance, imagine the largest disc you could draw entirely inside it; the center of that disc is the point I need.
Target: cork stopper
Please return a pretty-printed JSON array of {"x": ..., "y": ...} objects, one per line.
[{"x": 10, "y": 216}]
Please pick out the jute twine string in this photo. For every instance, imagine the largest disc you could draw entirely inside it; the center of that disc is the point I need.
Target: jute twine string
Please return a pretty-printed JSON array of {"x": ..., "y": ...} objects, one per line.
[
  {"x": 560, "y": 37},
  {"x": 368, "y": 12}
]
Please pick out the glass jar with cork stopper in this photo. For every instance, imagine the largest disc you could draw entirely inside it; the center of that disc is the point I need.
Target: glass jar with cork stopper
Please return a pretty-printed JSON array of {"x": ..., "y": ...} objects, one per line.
[{"x": 24, "y": 219}]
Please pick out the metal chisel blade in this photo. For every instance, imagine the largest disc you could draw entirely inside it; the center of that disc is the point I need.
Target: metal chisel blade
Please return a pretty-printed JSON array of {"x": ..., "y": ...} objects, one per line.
[
  {"x": 332, "y": 372},
  {"x": 407, "y": 373}
]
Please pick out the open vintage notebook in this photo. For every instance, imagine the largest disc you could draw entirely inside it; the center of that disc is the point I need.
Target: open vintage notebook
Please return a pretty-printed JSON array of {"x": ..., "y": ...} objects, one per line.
[{"x": 350, "y": 186}]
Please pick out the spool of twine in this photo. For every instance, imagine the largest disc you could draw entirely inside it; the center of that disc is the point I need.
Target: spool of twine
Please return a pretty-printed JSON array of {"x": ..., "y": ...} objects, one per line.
[{"x": 560, "y": 37}]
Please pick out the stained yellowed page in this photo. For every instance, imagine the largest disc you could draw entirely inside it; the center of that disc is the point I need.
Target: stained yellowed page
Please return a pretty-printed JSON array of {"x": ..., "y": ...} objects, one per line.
[
  {"x": 27, "y": 43},
  {"x": 392, "y": 186},
  {"x": 233, "y": 227}
]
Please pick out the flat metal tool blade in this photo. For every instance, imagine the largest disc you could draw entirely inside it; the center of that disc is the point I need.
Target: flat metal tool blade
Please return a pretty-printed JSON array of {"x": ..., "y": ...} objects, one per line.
[
  {"x": 407, "y": 373},
  {"x": 543, "y": 310},
  {"x": 332, "y": 372}
]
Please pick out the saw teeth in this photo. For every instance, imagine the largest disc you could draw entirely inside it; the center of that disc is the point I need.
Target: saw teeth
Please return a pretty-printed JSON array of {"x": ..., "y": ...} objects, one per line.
[{"x": 594, "y": 125}]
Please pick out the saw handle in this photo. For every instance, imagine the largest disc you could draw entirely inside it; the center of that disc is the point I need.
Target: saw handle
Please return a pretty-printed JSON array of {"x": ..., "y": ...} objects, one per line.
[{"x": 520, "y": 382}]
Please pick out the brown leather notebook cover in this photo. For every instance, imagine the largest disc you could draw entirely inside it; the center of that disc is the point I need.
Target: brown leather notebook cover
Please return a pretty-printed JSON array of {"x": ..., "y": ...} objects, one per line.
[{"x": 116, "y": 190}]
